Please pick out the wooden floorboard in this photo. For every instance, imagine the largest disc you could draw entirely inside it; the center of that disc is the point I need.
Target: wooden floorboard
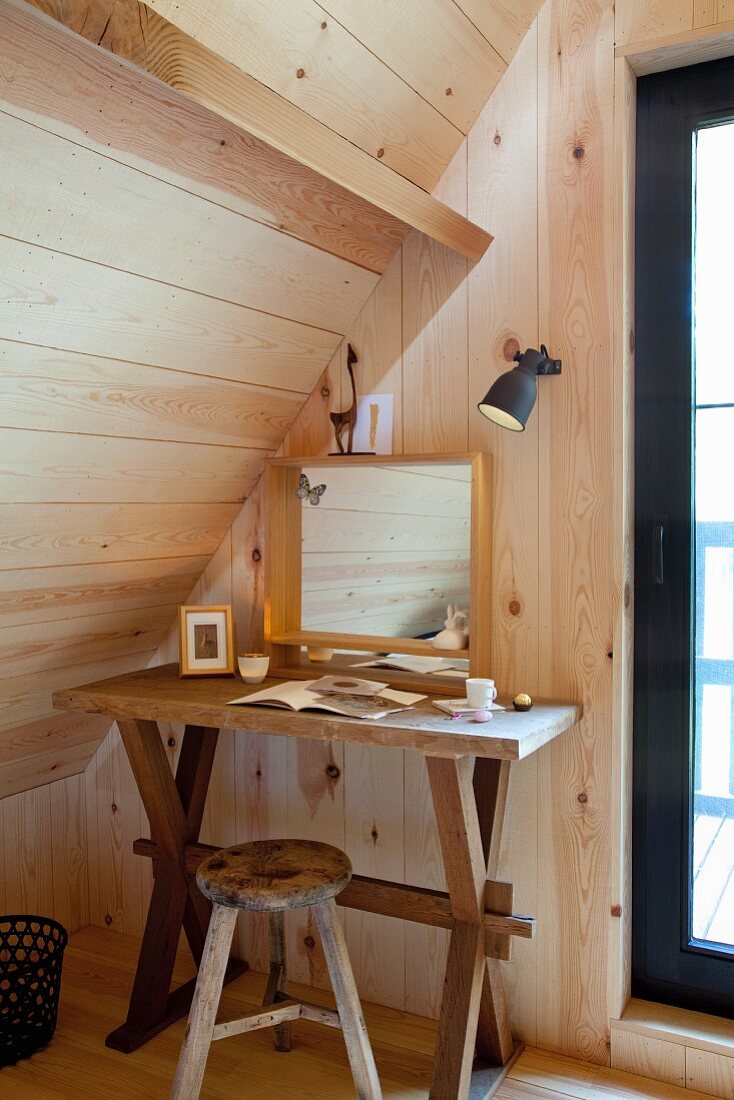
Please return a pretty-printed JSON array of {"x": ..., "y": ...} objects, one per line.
[{"x": 98, "y": 970}]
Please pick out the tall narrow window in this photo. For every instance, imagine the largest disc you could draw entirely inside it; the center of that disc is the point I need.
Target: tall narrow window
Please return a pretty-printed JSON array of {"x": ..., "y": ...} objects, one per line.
[
  {"x": 712, "y": 824},
  {"x": 683, "y": 829}
]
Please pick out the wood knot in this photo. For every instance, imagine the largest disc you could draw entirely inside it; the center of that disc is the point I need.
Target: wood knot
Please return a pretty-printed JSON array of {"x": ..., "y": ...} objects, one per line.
[
  {"x": 325, "y": 391},
  {"x": 332, "y": 771},
  {"x": 497, "y": 139},
  {"x": 579, "y": 152},
  {"x": 171, "y": 742},
  {"x": 616, "y": 910},
  {"x": 380, "y": 153},
  {"x": 222, "y": 142},
  {"x": 258, "y": 774},
  {"x": 108, "y": 920},
  {"x": 113, "y": 807},
  {"x": 309, "y": 942},
  {"x": 449, "y": 91},
  {"x": 583, "y": 797},
  {"x": 374, "y": 834},
  {"x": 509, "y": 349},
  {"x": 256, "y": 555},
  {"x": 515, "y": 607},
  {"x": 300, "y": 73},
  {"x": 323, "y": 25}
]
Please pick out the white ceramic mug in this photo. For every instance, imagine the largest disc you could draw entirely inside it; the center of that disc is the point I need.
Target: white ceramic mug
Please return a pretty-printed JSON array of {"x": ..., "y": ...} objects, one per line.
[
  {"x": 480, "y": 693},
  {"x": 253, "y": 667}
]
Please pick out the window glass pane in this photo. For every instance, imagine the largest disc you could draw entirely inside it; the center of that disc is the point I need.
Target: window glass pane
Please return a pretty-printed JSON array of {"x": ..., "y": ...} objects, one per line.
[
  {"x": 713, "y": 277},
  {"x": 712, "y": 867}
]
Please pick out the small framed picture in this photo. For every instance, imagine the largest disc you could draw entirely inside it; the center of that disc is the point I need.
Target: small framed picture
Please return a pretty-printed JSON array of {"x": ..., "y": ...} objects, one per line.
[{"x": 206, "y": 644}]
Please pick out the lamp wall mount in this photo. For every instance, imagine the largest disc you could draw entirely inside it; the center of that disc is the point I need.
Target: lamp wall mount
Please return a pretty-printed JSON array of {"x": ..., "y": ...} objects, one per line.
[
  {"x": 538, "y": 362},
  {"x": 511, "y": 397}
]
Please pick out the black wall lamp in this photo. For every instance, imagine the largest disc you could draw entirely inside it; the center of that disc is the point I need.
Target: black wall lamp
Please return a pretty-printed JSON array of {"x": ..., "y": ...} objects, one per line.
[{"x": 510, "y": 399}]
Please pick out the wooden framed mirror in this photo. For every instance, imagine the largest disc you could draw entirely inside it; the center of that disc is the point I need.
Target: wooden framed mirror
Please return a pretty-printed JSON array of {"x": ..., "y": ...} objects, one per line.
[{"x": 369, "y": 571}]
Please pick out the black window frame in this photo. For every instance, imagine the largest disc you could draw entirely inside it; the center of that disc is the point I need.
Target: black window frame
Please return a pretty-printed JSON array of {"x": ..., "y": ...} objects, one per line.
[{"x": 666, "y": 965}]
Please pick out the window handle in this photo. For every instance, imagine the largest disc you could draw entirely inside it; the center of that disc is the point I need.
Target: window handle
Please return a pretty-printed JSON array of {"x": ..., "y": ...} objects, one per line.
[{"x": 658, "y": 553}]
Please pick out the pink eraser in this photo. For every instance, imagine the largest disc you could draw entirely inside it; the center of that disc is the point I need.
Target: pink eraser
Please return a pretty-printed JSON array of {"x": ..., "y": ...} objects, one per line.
[{"x": 482, "y": 715}]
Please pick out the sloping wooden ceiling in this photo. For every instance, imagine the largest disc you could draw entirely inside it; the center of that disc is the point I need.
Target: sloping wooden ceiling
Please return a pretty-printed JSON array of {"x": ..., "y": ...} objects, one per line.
[{"x": 174, "y": 287}]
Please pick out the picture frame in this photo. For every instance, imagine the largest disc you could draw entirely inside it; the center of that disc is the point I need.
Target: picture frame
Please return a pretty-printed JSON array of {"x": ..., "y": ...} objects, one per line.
[{"x": 206, "y": 641}]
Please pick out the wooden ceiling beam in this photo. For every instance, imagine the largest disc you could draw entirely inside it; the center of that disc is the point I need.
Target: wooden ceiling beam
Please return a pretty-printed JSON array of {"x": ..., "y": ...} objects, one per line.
[
  {"x": 309, "y": 58},
  {"x": 52, "y": 76},
  {"x": 236, "y": 96},
  {"x": 170, "y": 55}
]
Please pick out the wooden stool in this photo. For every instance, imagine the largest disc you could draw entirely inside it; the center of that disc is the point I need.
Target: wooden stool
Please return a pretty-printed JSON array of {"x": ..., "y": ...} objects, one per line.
[{"x": 273, "y": 876}]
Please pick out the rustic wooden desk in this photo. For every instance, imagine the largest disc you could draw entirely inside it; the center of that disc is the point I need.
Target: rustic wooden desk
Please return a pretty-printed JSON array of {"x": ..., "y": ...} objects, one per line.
[{"x": 468, "y": 768}]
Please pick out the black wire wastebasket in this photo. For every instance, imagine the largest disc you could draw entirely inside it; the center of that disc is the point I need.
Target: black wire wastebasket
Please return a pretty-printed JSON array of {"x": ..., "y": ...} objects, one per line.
[{"x": 31, "y": 956}]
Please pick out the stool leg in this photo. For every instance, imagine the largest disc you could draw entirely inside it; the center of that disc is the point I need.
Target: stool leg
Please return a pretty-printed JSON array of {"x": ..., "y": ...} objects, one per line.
[
  {"x": 357, "y": 1041},
  {"x": 276, "y": 982},
  {"x": 198, "y": 1037}
]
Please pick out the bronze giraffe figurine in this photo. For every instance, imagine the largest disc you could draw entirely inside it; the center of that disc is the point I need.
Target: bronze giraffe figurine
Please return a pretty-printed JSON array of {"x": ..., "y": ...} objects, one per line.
[{"x": 347, "y": 419}]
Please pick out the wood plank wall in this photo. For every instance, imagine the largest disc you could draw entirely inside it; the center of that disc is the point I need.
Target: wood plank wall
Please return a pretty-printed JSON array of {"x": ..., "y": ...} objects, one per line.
[
  {"x": 435, "y": 326},
  {"x": 559, "y": 567},
  {"x": 644, "y": 22},
  {"x": 164, "y": 314},
  {"x": 163, "y": 317}
]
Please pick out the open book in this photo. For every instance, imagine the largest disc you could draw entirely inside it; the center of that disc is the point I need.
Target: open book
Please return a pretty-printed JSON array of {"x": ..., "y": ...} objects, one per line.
[
  {"x": 295, "y": 695},
  {"x": 455, "y": 666}
]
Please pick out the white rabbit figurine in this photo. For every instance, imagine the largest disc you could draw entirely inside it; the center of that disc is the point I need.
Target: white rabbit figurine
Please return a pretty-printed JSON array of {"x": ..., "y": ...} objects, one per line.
[{"x": 456, "y": 634}]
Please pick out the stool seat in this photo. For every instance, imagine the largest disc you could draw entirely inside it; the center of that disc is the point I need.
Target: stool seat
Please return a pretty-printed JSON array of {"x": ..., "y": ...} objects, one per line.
[{"x": 273, "y": 875}]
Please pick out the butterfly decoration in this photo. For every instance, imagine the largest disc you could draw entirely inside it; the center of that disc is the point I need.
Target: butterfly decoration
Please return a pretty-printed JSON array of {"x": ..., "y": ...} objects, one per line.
[{"x": 305, "y": 492}]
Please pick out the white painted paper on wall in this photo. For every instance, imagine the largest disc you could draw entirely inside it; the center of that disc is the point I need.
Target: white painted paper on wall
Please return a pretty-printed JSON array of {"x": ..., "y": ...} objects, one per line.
[{"x": 374, "y": 423}]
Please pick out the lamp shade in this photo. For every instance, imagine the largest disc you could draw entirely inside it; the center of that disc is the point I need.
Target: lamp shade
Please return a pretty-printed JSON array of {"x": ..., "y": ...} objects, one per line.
[{"x": 510, "y": 400}]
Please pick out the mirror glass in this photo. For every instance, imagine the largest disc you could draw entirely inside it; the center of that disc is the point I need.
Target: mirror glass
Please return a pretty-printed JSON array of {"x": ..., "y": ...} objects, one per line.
[{"x": 386, "y": 549}]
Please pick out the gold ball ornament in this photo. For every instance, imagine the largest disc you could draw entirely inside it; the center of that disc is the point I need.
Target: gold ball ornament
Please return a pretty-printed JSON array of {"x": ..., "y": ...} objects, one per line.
[{"x": 522, "y": 701}]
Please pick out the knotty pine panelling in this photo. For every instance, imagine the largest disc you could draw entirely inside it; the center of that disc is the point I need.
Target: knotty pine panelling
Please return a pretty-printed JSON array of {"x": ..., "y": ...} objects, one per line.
[
  {"x": 237, "y": 260},
  {"x": 187, "y": 145},
  {"x": 44, "y": 844},
  {"x": 317, "y": 65},
  {"x": 503, "y": 307},
  {"x": 641, "y": 23},
  {"x": 539, "y": 161},
  {"x": 577, "y": 583},
  {"x": 435, "y": 48},
  {"x": 164, "y": 314}
]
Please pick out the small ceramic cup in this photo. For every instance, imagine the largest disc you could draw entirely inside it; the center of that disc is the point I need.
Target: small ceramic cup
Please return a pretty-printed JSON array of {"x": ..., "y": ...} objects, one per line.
[
  {"x": 319, "y": 654},
  {"x": 480, "y": 693},
  {"x": 253, "y": 667}
]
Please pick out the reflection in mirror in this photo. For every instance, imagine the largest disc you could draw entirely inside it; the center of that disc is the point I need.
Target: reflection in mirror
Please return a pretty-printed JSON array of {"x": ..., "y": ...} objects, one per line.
[{"x": 387, "y": 549}]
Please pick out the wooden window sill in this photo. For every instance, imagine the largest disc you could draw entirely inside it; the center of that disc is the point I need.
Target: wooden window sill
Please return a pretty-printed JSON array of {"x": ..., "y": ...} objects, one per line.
[
  {"x": 687, "y": 1049},
  {"x": 678, "y": 1025}
]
